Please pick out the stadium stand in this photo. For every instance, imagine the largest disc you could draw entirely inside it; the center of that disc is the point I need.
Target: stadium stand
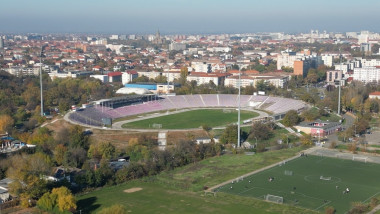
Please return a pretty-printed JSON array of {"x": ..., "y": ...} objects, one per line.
[{"x": 94, "y": 115}]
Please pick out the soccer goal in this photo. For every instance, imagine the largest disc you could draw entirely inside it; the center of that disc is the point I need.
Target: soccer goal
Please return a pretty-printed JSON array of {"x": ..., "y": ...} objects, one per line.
[
  {"x": 361, "y": 159},
  {"x": 288, "y": 172},
  {"x": 325, "y": 178},
  {"x": 157, "y": 126},
  {"x": 274, "y": 198}
]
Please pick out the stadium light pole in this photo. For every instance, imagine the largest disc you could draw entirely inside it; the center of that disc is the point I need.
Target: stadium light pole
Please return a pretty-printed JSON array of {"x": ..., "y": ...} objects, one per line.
[
  {"x": 42, "y": 99},
  {"x": 239, "y": 84}
]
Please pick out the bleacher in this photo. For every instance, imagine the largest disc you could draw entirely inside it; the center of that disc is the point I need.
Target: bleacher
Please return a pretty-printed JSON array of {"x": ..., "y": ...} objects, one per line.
[{"x": 94, "y": 115}]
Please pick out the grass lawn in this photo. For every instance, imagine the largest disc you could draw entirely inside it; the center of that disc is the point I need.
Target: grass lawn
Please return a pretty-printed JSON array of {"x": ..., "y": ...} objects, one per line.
[
  {"x": 192, "y": 119},
  {"x": 180, "y": 190},
  {"x": 216, "y": 170},
  {"x": 304, "y": 188},
  {"x": 155, "y": 198}
]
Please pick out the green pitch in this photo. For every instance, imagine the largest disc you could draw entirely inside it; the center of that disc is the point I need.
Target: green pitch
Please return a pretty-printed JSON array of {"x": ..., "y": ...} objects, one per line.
[
  {"x": 305, "y": 188},
  {"x": 193, "y": 119}
]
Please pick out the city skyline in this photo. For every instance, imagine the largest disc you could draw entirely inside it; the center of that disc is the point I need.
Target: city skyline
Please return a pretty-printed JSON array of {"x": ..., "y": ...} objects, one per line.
[{"x": 183, "y": 16}]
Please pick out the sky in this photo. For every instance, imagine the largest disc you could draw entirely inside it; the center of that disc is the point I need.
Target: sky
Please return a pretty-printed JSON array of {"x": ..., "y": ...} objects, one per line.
[{"x": 187, "y": 16}]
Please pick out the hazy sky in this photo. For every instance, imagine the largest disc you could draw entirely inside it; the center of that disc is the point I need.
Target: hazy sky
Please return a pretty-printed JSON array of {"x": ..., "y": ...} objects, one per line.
[{"x": 187, "y": 16}]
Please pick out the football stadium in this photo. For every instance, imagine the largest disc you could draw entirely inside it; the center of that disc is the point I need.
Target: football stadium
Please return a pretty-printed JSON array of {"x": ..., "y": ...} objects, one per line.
[{"x": 103, "y": 112}]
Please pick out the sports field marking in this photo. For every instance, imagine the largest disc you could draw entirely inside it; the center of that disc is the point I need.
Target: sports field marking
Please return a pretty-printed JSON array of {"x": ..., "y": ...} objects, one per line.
[
  {"x": 322, "y": 205},
  {"x": 327, "y": 182},
  {"x": 371, "y": 197}
]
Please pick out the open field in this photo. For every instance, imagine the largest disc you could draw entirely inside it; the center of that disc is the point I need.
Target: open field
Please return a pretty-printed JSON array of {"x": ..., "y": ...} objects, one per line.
[
  {"x": 155, "y": 198},
  {"x": 180, "y": 190},
  {"x": 304, "y": 188},
  {"x": 193, "y": 119}
]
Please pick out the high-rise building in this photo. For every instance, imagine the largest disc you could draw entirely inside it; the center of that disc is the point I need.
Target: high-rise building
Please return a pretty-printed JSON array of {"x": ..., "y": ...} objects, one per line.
[{"x": 1, "y": 42}]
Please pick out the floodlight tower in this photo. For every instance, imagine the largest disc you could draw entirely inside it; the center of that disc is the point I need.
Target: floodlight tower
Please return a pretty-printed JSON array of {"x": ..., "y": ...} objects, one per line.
[
  {"x": 239, "y": 84},
  {"x": 42, "y": 98},
  {"x": 341, "y": 68}
]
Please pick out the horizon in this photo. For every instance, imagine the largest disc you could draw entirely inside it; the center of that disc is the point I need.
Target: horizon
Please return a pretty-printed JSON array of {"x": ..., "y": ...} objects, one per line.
[{"x": 186, "y": 17}]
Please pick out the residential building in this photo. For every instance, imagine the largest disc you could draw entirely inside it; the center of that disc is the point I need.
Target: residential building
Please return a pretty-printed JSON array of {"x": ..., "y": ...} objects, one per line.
[
  {"x": 205, "y": 78},
  {"x": 177, "y": 46},
  {"x": 367, "y": 74},
  {"x": 332, "y": 76},
  {"x": 374, "y": 95},
  {"x": 114, "y": 76},
  {"x": 103, "y": 78},
  {"x": 128, "y": 76}
]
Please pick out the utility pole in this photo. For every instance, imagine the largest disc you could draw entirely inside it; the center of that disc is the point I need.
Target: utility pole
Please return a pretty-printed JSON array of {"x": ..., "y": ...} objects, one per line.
[{"x": 238, "y": 143}]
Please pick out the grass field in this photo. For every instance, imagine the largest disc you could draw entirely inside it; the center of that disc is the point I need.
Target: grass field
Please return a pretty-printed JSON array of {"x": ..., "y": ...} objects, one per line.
[
  {"x": 155, "y": 198},
  {"x": 305, "y": 188},
  {"x": 192, "y": 119},
  {"x": 180, "y": 190}
]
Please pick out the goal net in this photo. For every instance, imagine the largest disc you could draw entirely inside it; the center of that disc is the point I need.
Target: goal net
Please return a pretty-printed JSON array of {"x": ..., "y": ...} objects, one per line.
[
  {"x": 362, "y": 159},
  {"x": 288, "y": 172},
  {"x": 157, "y": 126},
  {"x": 325, "y": 178},
  {"x": 274, "y": 198}
]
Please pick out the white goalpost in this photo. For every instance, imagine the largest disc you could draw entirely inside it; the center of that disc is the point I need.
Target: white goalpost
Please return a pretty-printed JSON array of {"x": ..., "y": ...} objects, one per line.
[
  {"x": 274, "y": 198},
  {"x": 361, "y": 159},
  {"x": 288, "y": 172}
]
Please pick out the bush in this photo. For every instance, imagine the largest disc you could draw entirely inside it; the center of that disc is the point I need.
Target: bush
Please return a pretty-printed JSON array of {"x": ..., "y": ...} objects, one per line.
[
  {"x": 114, "y": 209},
  {"x": 330, "y": 210}
]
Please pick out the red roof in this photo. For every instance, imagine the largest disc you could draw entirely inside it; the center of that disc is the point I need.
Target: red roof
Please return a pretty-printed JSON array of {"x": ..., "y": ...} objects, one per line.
[
  {"x": 132, "y": 72},
  {"x": 377, "y": 93},
  {"x": 112, "y": 74}
]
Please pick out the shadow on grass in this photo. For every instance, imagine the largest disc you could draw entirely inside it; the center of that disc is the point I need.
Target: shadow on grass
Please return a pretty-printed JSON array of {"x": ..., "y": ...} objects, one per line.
[{"x": 87, "y": 205}]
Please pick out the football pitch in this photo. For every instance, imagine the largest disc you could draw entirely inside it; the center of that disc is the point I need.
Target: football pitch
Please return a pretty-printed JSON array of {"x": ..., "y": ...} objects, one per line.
[
  {"x": 192, "y": 119},
  {"x": 312, "y": 182}
]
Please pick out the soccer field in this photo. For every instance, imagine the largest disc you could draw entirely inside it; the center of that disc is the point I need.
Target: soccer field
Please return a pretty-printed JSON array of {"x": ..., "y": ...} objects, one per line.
[
  {"x": 193, "y": 119},
  {"x": 299, "y": 183}
]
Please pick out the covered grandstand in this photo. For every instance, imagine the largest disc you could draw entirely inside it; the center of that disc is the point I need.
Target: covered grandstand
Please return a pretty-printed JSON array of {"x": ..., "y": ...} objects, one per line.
[{"x": 140, "y": 104}]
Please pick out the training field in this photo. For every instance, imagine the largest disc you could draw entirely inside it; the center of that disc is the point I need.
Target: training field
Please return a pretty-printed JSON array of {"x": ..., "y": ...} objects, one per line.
[
  {"x": 302, "y": 184},
  {"x": 193, "y": 119}
]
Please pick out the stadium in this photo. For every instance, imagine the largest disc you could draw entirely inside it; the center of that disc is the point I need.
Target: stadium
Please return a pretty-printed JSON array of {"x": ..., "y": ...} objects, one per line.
[{"x": 103, "y": 112}]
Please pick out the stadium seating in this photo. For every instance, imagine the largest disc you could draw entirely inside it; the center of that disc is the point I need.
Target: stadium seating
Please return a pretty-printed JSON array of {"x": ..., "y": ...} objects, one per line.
[{"x": 94, "y": 115}]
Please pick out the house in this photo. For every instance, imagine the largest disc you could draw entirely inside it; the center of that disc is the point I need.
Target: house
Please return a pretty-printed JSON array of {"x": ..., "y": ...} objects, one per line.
[
  {"x": 4, "y": 194},
  {"x": 114, "y": 76},
  {"x": 319, "y": 128},
  {"x": 128, "y": 76},
  {"x": 374, "y": 95}
]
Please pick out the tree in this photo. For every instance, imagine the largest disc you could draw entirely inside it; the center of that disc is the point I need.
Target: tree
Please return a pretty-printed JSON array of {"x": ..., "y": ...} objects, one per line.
[
  {"x": 291, "y": 118},
  {"x": 306, "y": 140},
  {"x": 183, "y": 77},
  {"x": 261, "y": 131},
  {"x": 47, "y": 202},
  {"x": 229, "y": 135},
  {"x": 59, "y": 153},
  {"x": 6, "y": 123},
  {"x": 78, "y": 139},
  {"x": 59, "y": 197},
  {"x": 114, "y": 209}
]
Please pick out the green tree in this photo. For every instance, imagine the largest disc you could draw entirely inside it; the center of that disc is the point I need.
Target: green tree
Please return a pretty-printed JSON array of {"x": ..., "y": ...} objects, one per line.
[
  {"x": 261, "y": 131},
  {"x": 229, "y": 135},
  {"x": 306, "y": 140},
  {"x": 291, "y": 118}
]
